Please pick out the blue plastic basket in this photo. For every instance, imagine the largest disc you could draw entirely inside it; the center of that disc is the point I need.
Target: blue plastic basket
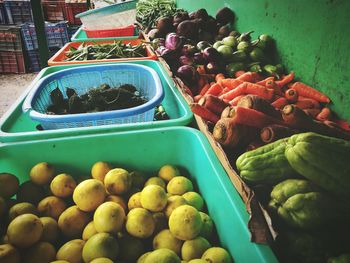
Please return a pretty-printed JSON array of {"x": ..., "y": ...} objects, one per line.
[
  {"x": 56, "y": 35},
  {"x": 82, "y": 79},
  {"x": 34, "y": 59}
]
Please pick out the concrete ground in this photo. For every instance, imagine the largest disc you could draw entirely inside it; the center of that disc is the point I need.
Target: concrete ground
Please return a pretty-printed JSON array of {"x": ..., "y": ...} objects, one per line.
[{"x": 11, "y": 87}]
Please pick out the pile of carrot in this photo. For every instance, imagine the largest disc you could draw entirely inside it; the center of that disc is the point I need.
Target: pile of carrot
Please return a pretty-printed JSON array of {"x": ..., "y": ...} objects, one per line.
[{"x": 264, "y": 109}]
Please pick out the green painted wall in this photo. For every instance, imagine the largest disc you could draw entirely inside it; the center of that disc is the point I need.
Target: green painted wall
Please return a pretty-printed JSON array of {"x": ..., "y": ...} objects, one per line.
[{"x": 313, "y": 38}]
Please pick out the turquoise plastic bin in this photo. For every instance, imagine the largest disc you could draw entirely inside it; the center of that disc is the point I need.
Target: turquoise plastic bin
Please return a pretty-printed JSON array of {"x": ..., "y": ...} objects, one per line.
[
  {"x": 80, "y": 36},
  {"x": 17, "y": 126},
  {"x": 146, "y": 151}
]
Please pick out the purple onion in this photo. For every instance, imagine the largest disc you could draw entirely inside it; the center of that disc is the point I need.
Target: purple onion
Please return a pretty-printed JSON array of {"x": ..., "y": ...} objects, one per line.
[
  {"x": 184, "y": 60},
  {"x": 188, "y": 50},
  {"x": 212, "y": 68},
  {"x": 187, "y": 73},
  {"x": 173, "y": 41},
  {"x": 199, "y": 59},
  {"x": 211, "y": 54}
]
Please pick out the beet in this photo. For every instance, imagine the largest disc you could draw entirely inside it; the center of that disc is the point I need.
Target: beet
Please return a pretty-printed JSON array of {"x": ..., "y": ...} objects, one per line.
[
  {"x": 188, "y": 50},
  {"x": 187, "y": 29},
  {"x": 211, "y": 54},
  {"x": 187, "y": 73},
  {"x": 225, "y": 15},
  {"x": 199, "y": 59},
  {"x": 179, "y": 17},
  {"x": 165, "y": 25},
  {"x": 184, "y": 60},
  {"x": 201, "y": 13},
  {"x": 224, "y": 30}
]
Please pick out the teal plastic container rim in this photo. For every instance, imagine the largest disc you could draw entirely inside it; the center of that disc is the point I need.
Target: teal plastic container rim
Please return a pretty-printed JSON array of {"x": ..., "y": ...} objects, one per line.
[
  {"x": 107, "y": 10},
  {"x": 11, "y": 115},
  {"x": 80, "y": 36},
  {"x": 229, "y": 215},
  {"x": 35, "y": 93}
]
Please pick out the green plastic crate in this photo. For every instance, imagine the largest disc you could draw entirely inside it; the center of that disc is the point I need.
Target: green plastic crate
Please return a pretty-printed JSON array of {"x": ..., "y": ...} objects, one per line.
[
  {"x": 80, "y": 36},
  {"x": 147, "y": 150},
  {"x": 17, "y": 126}
]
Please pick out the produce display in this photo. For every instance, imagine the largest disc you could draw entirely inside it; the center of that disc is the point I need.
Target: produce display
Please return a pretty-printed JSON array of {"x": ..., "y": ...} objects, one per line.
[
  {"x": 118, "y": 49},
  {"x": 197, "y": 46},
  {"x": 111, "y": 216}
]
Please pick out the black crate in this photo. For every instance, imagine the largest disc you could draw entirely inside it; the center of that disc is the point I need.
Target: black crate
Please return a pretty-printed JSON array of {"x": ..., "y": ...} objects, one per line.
[
  {"x": 3, "y": 17},
  {"x": 10, "y": 38},
  {"x": 18, "y": 12}
]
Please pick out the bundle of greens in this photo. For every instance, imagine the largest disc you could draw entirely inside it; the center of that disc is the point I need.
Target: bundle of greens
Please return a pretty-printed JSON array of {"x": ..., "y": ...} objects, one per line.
[
  {"x": 117, "y": 49},
  {"x": 102, "y": 98}
]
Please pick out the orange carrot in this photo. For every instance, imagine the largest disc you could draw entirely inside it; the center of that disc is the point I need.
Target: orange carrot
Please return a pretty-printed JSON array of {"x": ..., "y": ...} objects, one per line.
[
  {"x": 219, "y": 77},
  {"x": 204, "y": 89},
  {"x": 325, "y": 114},
  {"x": 306, "y": 103},
  {"x": 270, "y": 84},
  {"x": 230, "y": 83},
  {"x": 279, "y": 103},
  {"x": 254, "y": 118},
  {"x": 235, "y": 100},
  {"x": 214, "y": 89},
  {"x": 239, "y": 90},
  {"x": 197, "y": 98},
  {"x": 291, "y": 95},
  {"x": 285, "y": 80},
  {"x": 343, "y": 124},
  {"x": 264, "y": 81},
  {"x": 202, "y": 80},
  {"x": 309, "y": 92},
  {"x": 249, "y": 77},
  {"x": 204, "y": 113},
  {"x": 261, "y": 91},
  {"x": 213, "y": 103},
  {"x": 201, "y": 69},
  {"x": 312, "y": 112},
  {"x": 239, "y": 73}
]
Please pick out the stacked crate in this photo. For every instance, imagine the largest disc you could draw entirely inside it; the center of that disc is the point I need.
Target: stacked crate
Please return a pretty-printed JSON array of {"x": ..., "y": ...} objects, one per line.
[
  {"x": 56, "y": 37},
  {"x": 12, "y": 59},
  {"x": 60, "y": 10}
]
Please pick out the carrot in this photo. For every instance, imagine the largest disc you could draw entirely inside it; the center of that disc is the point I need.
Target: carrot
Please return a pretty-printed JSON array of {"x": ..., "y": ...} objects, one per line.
[
  {"x": 264, "y": 81},
  {"x": 219, "y": 77},
  {"x": 249, "y": 77},
  {"x": 228, "y": 112},
  {"x": 239, "y": 73},
  {"x": 309, "y": 92},
  {"x": 239, "y": 90},
  {"x": 306, "y": 103},
  {"x": 204, "y": 113},
  {"x": 291, "y": 95},
  {"x": 285, "y": 80},
  {"x": 312, "y": 112},
  {"x": 202, "y": 81},
  {"x": 197, "y": 98},
  {"x": 298, "y": 119},
  {"x": 254, "y": 118},
  {"x": 201, "y": 69},
  {"x": 213, "y": 103},
  {"x": 236, "y": 100},
  {"x": 204, "y": 89},
  {"x": 279, "y": 103},
  {"x": 261, "y": 91},
  {"x": 325, "y": 114},
  {"x": 254, "y": 145},
  {"x": 275, "y": 132},
  {"x": 260, "y": 104},
  {"x": 270, "y": 84},
  {"x": 231, "y": 134},
  {"x": 224, "y": 91},
  {"x": 215, "y": 89},
  {"x": 343, "y": 124},
  {"x": 230, "y": 83}
]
